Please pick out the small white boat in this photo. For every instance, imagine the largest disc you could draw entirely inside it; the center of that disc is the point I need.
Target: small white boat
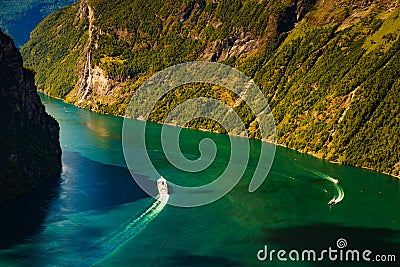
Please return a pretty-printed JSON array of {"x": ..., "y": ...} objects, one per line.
[
  {"x": 332, "y": 202},
  {"x": 162, "y": 186},
  {"x": 336, "y": 181}
]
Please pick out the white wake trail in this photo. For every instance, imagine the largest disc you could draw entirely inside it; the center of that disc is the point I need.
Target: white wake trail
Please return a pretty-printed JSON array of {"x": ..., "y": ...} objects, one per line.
[
  {"x": 340, "y": 192},
  {"x": 110, "y": 244}
]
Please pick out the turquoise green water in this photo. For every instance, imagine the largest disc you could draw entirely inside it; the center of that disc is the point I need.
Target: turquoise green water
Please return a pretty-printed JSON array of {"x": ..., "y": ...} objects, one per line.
[{"x": 96, "y": 214}]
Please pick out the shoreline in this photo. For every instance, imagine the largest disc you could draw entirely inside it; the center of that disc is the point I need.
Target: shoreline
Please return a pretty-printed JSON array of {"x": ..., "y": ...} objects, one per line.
[
  {"x": 236, "y": 135},
  {"x": 340, "y": 163}
]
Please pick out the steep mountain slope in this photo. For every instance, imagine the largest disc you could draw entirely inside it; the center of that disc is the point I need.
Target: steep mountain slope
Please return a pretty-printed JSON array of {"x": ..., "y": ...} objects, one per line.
[
  {"x": 19, "y": 17},
  {"x": 329, "y": 69},
  {"x": 29, "y": 137}
]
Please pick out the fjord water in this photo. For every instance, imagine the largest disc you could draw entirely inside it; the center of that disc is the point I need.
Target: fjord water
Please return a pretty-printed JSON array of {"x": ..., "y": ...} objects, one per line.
[{"x": 96, "y": 214}]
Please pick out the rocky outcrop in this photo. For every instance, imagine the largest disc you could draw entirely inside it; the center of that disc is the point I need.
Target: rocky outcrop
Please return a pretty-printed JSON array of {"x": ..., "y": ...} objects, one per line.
[
  {"x": 92, "y": 79},
  {"x": 293, "y": 14},
  {"x": 233, "y": 47},
  {"x": 85, "y": 86},
  {"x": 243, "y": 43},
  {"x": 29, "y": 137}
]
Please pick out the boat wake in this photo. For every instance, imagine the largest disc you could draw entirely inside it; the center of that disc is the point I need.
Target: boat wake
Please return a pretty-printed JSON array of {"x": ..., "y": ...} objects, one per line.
[
  {"x": 298, "y": 180},
  {"x": 111, "y": 243},
  {"x": 340, "y": 192}
]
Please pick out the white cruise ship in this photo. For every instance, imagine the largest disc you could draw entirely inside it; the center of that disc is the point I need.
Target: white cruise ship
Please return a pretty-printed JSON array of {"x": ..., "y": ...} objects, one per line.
[{"x": 162, "y": 186}]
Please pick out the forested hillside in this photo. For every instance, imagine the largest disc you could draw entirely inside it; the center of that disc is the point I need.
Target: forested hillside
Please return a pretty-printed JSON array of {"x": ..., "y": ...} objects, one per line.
[{"x": 329, "y": 69}]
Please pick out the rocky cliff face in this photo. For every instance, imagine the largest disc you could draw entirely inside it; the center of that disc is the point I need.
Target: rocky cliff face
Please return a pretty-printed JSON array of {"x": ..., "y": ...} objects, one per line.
[{"x": 29, "y": 137}]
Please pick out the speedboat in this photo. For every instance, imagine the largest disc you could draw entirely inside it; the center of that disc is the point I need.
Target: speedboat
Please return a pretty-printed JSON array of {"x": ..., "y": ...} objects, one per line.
[
  {"x": 332, "y": 202},
  {"x": 162, "y": 186},
  {"x": 336, "y": 181}
]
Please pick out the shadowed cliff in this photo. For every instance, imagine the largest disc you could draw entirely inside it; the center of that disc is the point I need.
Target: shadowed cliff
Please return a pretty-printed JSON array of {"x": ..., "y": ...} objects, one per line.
[{"x": 29, "y": 138}]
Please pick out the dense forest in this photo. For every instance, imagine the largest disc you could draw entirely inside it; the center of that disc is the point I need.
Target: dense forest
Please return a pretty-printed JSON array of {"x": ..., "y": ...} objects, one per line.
[{"x": 329, "y": 69}]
